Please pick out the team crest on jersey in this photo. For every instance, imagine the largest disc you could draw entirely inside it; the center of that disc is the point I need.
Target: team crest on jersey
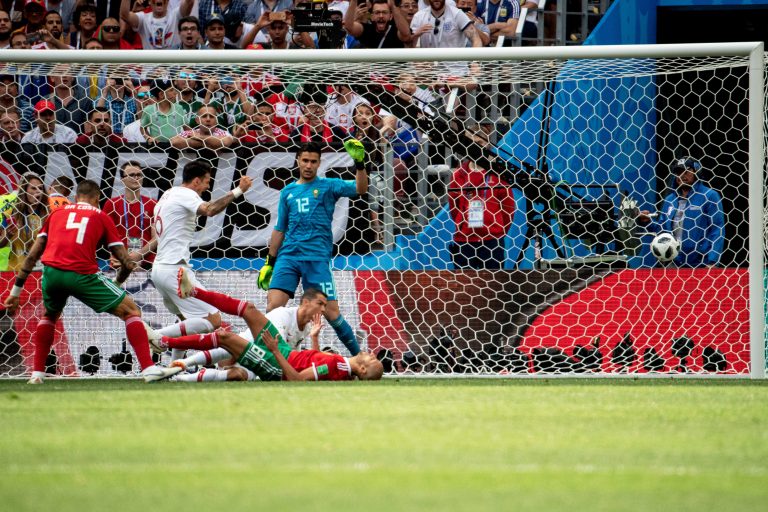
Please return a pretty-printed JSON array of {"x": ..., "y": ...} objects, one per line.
[{"x": 315, "y": 193}]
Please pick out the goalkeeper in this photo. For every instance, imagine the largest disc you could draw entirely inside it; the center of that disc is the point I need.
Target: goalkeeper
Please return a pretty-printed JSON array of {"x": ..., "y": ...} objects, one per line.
[{"x": 302, "y": 241}]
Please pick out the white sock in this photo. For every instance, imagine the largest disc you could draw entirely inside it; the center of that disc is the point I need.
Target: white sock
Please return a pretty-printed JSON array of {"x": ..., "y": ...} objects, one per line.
[
  {"x": 188, "y": 326},
  {"x": 40, "y": 375},
  {"x": 206, "y": 357},
  {"x": 204, "y": 375}
]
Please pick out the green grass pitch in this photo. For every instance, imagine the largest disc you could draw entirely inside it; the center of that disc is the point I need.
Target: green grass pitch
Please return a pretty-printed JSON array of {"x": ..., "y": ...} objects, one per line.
[{"x": 464, "y": 445}]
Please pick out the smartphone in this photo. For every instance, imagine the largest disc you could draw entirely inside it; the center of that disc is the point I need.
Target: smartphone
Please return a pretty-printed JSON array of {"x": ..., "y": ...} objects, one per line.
[
  {"x": 277, "y": 16},
  {"x": 34, "y": 37}
]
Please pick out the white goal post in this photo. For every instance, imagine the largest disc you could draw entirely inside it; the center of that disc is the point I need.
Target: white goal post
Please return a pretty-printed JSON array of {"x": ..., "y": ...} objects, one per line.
[{"x": 580, "y": 138}]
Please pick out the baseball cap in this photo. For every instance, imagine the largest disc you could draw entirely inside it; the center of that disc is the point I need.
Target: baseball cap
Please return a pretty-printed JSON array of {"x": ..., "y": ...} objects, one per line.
[
  {"x": 215, "y": 18},
  {"x": 39, "y": 3},
  {"x": 43, "y": 105},
  {"x": 684, "y": 163}
]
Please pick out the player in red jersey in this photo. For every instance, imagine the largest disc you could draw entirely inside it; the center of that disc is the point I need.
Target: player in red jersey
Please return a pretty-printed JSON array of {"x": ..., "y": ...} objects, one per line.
[
  {"x": 66, "y": 244},
  {"x": 267, "y": 355}
]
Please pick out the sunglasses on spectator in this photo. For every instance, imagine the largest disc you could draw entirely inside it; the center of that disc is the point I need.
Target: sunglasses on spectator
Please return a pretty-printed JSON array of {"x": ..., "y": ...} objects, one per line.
[
  {"x": 142, "y": 94},
  {"x": 134, "y": 175},
  {"x": 437, "y": 27},
  {"x": 187, "y": 75},
  {"x": 111, "y": 28}
]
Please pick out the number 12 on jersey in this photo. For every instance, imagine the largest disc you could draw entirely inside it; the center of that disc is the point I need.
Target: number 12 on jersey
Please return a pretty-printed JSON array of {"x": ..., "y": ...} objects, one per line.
[
  {"x": 302, "y": 204},
  {"x": 79, "y": 226}
]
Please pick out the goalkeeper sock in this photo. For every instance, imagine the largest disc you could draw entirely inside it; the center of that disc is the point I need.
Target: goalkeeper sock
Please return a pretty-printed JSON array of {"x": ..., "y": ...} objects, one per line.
[
  {"x": 344, "y": 332},
  {"x": 43, "y": 340},
  {"x": 137, "y": 337},
  {"x": 194, "y": 341},
  {"x": 204, "y": 375},
  {"x": 222, "y": 302}
]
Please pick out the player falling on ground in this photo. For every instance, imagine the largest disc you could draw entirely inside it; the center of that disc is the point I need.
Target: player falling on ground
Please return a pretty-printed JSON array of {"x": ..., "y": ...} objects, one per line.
[
  {"x": 67, "y": 245},
  {"x": 174, "y": 229},
  {"x": 294, "y": 324},
  {"x": 275, "y": 363},
  {"x": 302, "y": 241}
]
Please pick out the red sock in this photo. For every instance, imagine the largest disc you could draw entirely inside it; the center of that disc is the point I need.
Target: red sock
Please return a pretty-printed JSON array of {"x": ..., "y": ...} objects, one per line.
[
  {"x": 137, "y": 337},
  {"x": 193, "y": 341},
  {"x": 223, "y": 302},
  {"x": 42, "y": 341}
]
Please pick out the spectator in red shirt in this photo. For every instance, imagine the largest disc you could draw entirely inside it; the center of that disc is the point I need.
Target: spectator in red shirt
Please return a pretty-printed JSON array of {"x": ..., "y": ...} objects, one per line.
[
  {"x": 133, "y": 212},
  {"x": 98, "y": 129},
  {"x": 263, "y": 126},
  {"x": 482, "y": 206}
]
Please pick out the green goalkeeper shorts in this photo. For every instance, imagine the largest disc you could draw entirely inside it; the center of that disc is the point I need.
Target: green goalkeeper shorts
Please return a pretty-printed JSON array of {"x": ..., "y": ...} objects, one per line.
[
  {"x": 94, "y": 290},
  {"x": 260, "y": 360}
]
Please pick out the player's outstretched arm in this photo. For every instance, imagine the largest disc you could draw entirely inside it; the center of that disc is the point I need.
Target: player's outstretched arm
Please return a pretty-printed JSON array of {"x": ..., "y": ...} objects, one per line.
[
  {"x": 288, "y": 371},
  {"x": 12, "y": 301},
  {"x": 126, "y": 264},
  {"x": 356, "y": 150},
  {"x": 217, "y": 206}
]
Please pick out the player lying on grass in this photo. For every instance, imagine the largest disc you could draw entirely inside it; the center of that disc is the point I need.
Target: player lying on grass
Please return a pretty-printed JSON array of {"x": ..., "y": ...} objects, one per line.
[
  {"x": 294, "y": 324},
  {"x": 67, "y": 245},
  {"x": 267, "y": 363}
]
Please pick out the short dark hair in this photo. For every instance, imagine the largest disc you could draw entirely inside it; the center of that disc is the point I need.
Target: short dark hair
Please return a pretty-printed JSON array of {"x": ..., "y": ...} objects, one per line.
[
  {"x": 79, "y": 10},
  {"x": 100, "y": 110},
  {"x": 309, "y": 147},
  {"x": 129, "y": 163},
  {"x": 88, "y": 188},
  {"x": 312, "y": 294},
  {"x": 63, "y": 185},
  {"x": 195, "y": 169},
  {"x": 189, "y": 19},
  {"x": 48, "y": 13}
]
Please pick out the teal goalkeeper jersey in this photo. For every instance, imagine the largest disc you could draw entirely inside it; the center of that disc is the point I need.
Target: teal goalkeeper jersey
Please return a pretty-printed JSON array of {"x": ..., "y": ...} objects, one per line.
[{"x": 305, "y": 215}]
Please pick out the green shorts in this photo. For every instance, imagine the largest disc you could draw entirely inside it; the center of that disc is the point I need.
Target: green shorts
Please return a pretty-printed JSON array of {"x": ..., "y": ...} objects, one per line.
[
  {"x": 94, "y": 290},
  {"x": 260, "y": 360}
]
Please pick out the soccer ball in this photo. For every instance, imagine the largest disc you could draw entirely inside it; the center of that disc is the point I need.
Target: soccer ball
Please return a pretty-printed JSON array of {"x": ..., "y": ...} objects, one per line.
[{"x": 665, "y": 247}]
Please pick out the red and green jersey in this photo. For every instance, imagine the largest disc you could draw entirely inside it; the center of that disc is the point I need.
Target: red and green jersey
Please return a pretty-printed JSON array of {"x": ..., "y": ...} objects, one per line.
[
  {"x": 324, "y": 365},
  {"x": 74, "y": 233}
]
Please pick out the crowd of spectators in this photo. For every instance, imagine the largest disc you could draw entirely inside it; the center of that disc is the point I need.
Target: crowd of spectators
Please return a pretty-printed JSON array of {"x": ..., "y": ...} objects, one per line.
[{"x": 61, "y": 108}]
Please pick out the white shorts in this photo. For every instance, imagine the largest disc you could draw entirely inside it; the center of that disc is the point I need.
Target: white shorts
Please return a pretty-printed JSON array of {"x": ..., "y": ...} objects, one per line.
[{"x": 165, "y": 279}]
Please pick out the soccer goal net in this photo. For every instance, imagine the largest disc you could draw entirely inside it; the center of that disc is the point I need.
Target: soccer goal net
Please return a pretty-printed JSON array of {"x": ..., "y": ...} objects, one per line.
[{"x": 511, "y": 223}]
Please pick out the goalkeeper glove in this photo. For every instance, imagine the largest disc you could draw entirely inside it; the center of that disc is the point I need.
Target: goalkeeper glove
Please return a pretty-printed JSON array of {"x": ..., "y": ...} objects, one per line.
[
  {"x": 265, "y": 274},
  {"x": 356, "y": 150}
]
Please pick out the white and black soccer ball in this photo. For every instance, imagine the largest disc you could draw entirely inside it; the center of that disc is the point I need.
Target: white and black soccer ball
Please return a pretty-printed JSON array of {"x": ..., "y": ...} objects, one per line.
[{"x": 665, "y": 247}]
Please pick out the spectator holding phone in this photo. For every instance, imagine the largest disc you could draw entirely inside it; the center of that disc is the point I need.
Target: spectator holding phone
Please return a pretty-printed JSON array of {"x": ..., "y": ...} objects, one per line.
[
  {"x": 258, "y": 8},
  {"x": 142, "y": 97},
  {"x": 263, "y": 127},
  {"x": 387, "y": 27},
  {"x": 116, "y": 98},
  {"x": 229, "y": 99}
]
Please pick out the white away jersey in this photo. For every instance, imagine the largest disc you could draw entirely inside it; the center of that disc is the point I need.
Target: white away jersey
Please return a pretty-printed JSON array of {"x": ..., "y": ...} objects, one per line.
[
  {"x": 287, "y": 323},
  {"x": 175, "y": 223}
]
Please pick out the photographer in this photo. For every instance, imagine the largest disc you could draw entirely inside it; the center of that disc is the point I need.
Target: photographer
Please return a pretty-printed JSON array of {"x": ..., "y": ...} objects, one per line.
[{"x": 387, "y": 27}]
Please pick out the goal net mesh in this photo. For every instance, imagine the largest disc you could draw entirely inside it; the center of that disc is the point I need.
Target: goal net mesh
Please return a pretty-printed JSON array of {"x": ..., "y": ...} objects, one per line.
[{"x": 504, "y": 232}]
